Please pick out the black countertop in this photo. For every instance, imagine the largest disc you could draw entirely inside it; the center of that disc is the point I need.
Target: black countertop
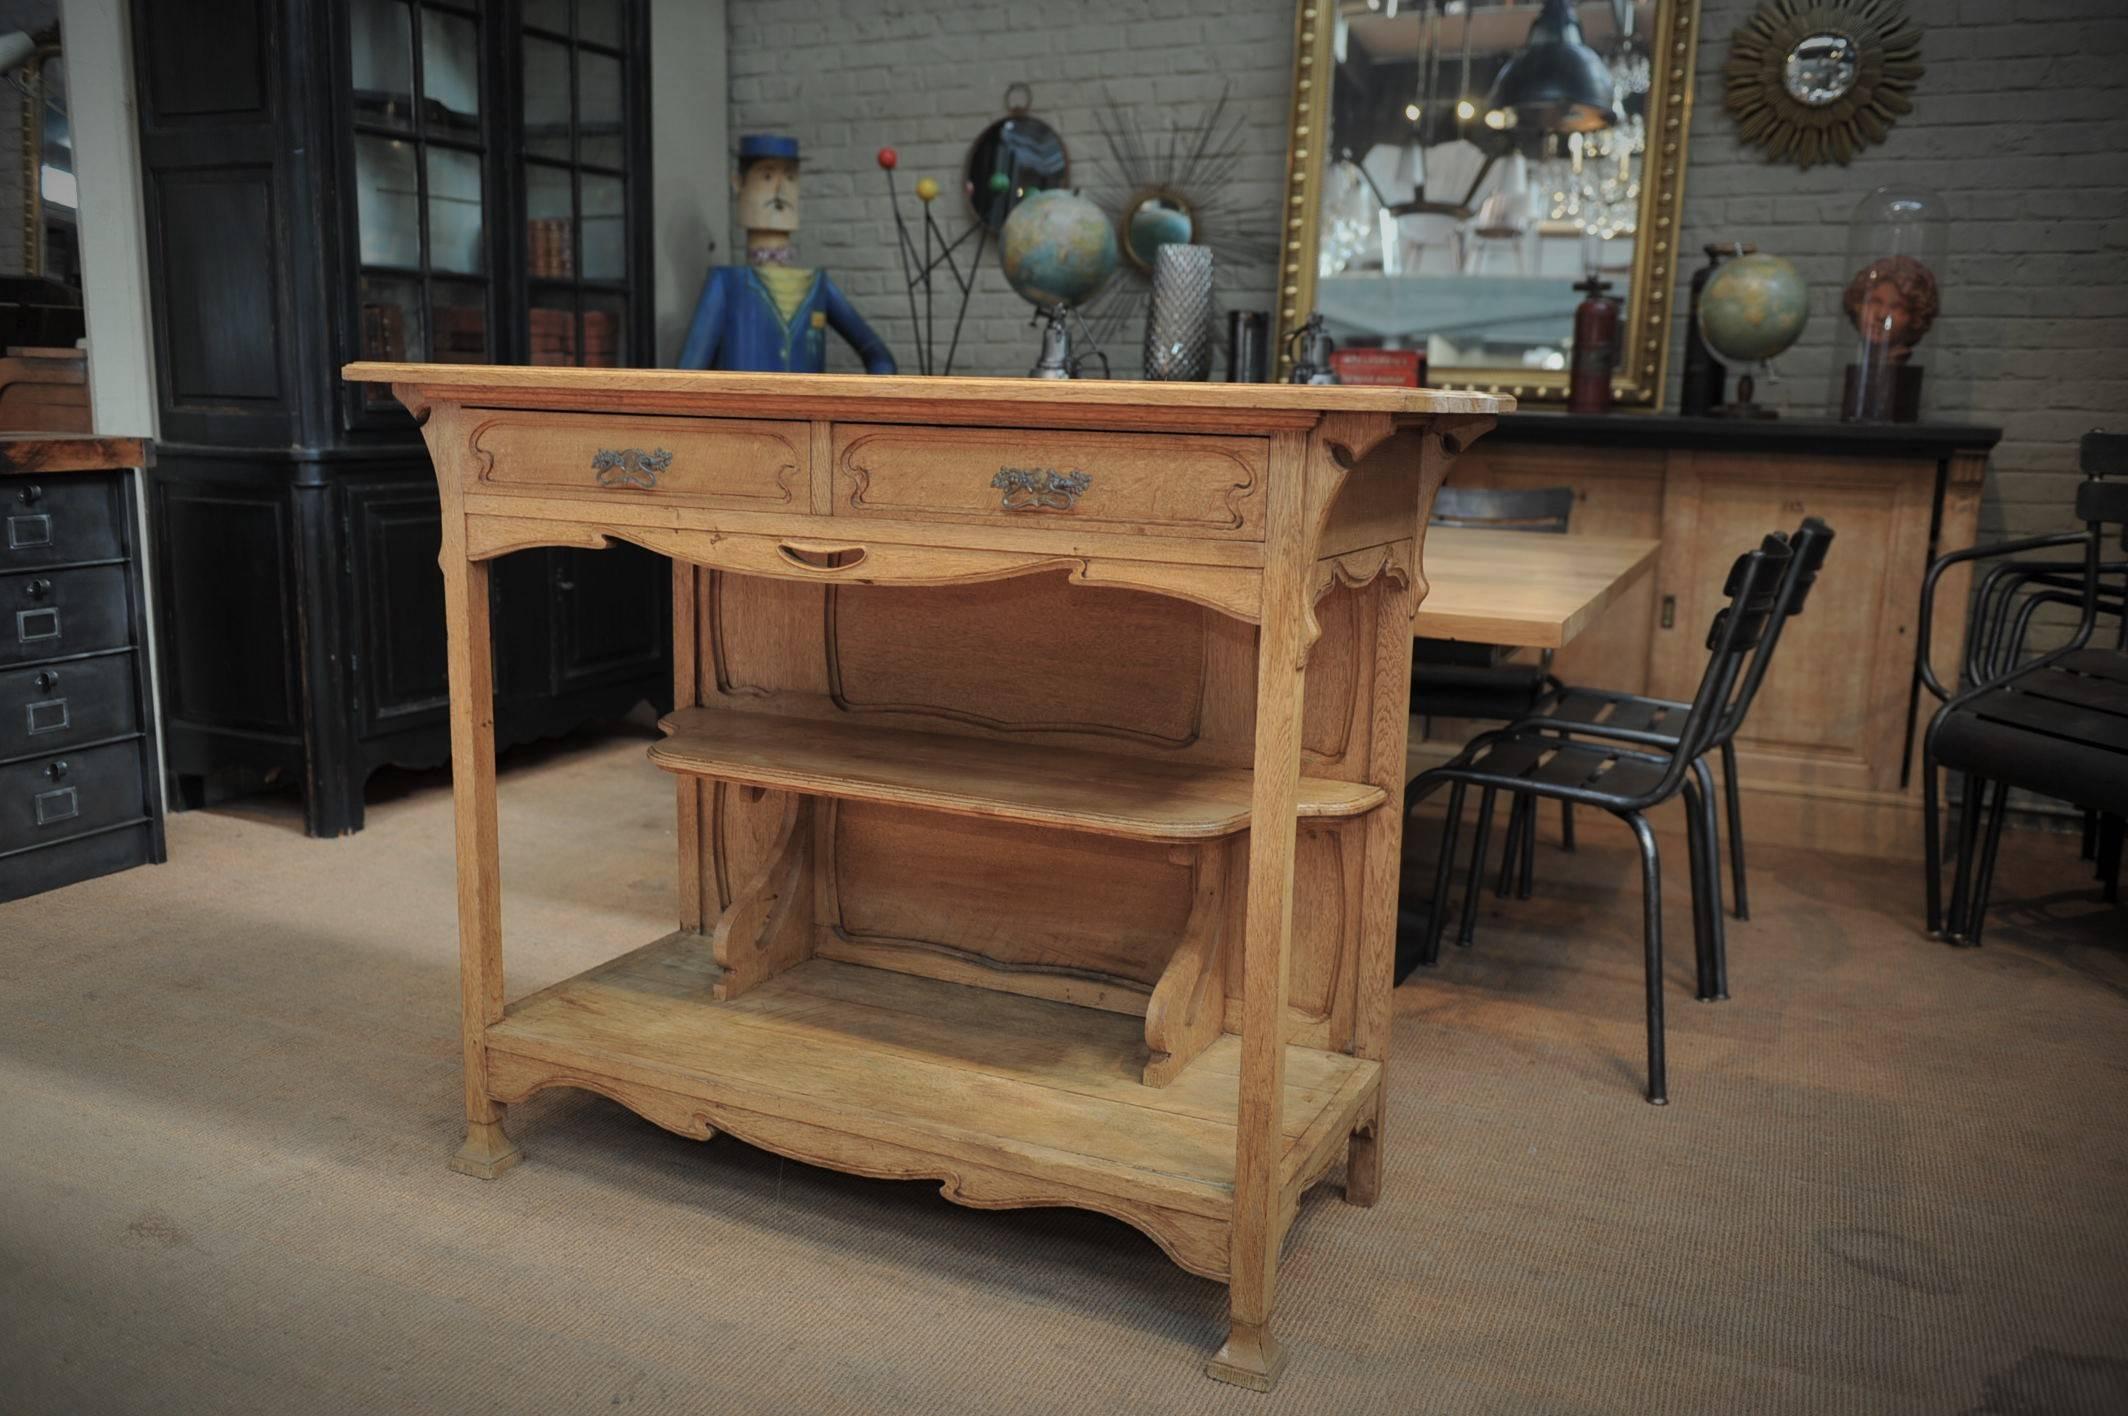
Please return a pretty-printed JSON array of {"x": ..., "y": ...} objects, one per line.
[{"x": 1799, "y": 435}]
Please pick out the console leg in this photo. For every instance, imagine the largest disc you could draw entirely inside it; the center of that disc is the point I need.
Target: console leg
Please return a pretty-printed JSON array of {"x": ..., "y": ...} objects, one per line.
[
  {"x": 1363, "y": 1167},
  {"x": 1250, "y": 1357},
  {"x": 487, "y": 1152}
]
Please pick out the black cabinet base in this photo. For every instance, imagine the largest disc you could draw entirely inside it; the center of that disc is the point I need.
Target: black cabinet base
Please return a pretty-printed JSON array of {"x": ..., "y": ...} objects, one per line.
[{"x": 83, "y": 858}]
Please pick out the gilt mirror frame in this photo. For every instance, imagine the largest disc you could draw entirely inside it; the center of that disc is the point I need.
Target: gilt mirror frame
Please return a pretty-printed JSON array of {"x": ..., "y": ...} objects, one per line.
[{"x": 1644, "y": 322}]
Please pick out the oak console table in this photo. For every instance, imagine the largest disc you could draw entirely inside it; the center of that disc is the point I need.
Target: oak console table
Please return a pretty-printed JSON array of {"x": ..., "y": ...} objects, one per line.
[{"x": 1038, "y": 750}]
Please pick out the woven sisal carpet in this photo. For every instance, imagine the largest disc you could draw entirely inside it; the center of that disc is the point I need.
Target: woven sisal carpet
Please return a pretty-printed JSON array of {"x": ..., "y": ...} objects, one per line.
[{"x": 1893, "y": 1177}]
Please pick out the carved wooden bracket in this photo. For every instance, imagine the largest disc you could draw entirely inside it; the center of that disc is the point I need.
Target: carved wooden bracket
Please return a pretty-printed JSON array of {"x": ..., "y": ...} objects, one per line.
[
  {"x": 1188, "y": 1009},
  {"x": 769, "y": 925}
]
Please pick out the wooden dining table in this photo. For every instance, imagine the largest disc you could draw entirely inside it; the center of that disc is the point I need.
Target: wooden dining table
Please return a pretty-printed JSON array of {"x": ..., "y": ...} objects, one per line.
[{"x": 1522, "y": 589}]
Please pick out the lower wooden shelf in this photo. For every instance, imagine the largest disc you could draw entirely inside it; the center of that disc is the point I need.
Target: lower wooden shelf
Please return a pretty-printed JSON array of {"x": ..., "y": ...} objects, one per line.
[
  {"x": 1007, "y": 1101},
  {"x": 1105, "y": 793}
]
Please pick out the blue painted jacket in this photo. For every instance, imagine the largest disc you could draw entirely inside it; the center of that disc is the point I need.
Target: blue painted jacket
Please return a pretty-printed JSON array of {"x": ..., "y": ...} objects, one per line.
[{"x": 737, "y": 326}]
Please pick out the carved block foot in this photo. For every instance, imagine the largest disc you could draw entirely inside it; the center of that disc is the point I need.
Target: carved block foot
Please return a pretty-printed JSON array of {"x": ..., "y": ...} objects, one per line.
[
  {"x": 1250, "y": 1358},
  {"x": 1363, "y": 1169},
  {"x": 487, "y": 1152}
]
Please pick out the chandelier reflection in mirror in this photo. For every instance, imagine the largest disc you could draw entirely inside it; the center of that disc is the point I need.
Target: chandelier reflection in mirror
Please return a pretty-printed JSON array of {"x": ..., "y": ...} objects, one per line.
[{"x": 1594, "y": 184}]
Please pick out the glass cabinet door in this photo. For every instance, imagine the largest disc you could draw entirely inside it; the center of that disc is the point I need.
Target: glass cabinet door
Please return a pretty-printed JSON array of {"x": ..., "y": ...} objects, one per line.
[
  {"x": 424, "y": 285},
  {"x": 579, "y": 162}
]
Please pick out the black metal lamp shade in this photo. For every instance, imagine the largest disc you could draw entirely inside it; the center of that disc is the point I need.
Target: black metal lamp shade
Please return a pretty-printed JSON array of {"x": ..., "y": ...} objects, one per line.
[{"x": 1557, "y": 83}]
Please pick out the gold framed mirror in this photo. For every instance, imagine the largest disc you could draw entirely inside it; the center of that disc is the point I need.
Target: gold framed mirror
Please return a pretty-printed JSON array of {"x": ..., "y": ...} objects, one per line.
[{"x": 1456, "y": 167}]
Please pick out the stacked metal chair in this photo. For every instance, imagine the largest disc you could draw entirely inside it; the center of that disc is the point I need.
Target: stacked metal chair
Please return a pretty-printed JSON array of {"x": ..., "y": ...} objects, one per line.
[
  {"x": 2054, "y": 722},
  {"x": 1532, "y": 762}
]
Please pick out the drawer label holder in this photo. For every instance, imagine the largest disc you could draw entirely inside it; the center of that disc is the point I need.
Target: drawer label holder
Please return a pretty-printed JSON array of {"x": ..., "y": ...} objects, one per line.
[
  {"x": 630, "y": 466},
  {"x": 1040, "y": 488}
]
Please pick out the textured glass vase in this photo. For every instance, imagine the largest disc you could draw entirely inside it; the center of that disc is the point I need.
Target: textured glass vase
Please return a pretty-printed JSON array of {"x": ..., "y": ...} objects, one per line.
[{"x": 1178, "y": 320}]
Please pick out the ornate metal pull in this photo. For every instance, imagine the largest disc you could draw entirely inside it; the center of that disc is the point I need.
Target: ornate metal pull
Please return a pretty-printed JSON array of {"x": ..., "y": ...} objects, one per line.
[
  {"x": 1040, "y": 488},
  {"x": 629, "y": 466}
]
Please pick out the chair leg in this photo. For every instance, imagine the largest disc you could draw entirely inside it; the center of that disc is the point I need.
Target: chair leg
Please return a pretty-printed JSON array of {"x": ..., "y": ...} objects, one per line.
[
  {"x": 1438, "y": 916},
  {"x": 2090, "y": 836},
  {"x": 1717, "y": 931},
  {"x": 1932, "y": 842},
  {"x": 1651, "y": 940},
  {"x": 1984, "y": 877},
  {"x": 1736, "y": 828},
  {"x": 1969, "y": 808},
  {"x": 1528, "y": 860},
  {"x": 1477, "y": 869},
  {"x": 2108, "y": 850},
  {"x": 1511, "y": 844},
  {"x": 1696, "y": 857},
  {"x": 1566, "y": 826}
]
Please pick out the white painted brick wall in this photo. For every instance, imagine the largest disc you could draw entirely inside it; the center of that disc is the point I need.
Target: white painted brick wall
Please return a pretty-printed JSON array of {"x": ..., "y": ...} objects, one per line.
[{"x": 2021, "y": 123}]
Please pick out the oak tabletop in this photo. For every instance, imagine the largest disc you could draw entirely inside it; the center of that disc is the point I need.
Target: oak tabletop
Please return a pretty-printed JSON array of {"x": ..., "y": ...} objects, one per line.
[
  {"x": 1523, "y": 589},
  {"x": 1030, "y": 394}
]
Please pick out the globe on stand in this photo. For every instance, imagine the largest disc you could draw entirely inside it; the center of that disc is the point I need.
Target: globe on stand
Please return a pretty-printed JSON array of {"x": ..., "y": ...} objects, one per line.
[
  {"x": 1058, "y": 249},
  {"x": 1751, "y": 310}
]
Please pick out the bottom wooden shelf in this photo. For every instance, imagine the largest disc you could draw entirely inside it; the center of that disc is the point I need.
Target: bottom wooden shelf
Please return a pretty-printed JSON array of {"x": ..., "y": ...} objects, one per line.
[{"x": 1008, "y": 1101}]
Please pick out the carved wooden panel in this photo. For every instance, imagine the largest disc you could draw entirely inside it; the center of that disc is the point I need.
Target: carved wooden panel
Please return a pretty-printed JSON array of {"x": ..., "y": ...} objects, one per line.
[
  {"x": 1335, "y": 667},
  {"x": 1169, "y": 486},
  {"x": 740, "y": 463},
  {"x": 1025, "y": 654},
  {"x": 1023, "y": 899}
]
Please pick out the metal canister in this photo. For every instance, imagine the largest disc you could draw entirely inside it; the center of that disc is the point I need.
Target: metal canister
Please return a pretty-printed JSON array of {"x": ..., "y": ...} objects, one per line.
[{"x": 1248, "y": 346}]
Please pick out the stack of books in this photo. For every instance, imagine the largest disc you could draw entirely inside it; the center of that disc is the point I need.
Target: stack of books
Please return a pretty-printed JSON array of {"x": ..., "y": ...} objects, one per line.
[
  {"x": 554, "y": 338},
  {"x": 551, "y": 253},
  {"x": 461, "y": 336}
]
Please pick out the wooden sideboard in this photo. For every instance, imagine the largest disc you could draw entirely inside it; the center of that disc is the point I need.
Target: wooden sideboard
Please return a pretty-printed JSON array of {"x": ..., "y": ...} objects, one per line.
[
  {"x": 1039, "y": 751},
  {"x": 1828, "y": 756}
]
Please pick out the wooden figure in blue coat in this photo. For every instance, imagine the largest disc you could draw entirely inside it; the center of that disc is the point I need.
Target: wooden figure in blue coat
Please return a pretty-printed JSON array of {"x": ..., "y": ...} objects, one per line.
[{"x": 772, "y": 315}]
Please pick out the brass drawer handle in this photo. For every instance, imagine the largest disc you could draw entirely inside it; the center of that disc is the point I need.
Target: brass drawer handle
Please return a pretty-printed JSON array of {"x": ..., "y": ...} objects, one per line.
[
  {"x": 822, "y": 557},
  {"x": 629, "y": 466},
  {"x": 1039, "y": 488}
]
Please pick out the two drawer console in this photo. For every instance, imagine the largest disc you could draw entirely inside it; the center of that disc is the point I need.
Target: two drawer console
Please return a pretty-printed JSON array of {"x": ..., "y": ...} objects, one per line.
[{"x": 78, "y": 793}]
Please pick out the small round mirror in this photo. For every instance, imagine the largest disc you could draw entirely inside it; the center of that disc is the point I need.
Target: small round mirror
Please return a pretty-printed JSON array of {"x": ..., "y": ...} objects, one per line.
[
  {"x": 1820, "y": 69},
  {"x": 1152, "y": 220}
]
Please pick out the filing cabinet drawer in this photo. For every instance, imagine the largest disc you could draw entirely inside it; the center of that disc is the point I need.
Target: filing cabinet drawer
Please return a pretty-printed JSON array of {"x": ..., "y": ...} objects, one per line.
[
  {"x": 59, "y": 521},
  {"x": 741, "y": 463},
  {"x": 1117, "y": 482},
  {"x": 47, "y": 707},
  {"x": 44, "y": 615},
  {"x": 53, "y": 797}
]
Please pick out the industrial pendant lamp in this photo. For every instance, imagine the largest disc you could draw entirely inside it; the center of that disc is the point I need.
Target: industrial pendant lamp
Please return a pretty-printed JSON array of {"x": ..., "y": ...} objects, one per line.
[{"x": 1557, "y": 83}]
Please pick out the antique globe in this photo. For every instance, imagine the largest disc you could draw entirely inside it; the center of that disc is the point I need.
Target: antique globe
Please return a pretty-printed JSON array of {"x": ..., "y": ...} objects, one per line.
[
  {"x": 1058, "y": 248},
  {"x": 1753, "y": 308}
]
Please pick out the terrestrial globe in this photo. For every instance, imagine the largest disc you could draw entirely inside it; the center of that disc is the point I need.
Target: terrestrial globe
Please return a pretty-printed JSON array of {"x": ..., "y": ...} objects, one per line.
[
  {"x": 1753, "y": 308},
  {"x": 1057, "y": 248}
]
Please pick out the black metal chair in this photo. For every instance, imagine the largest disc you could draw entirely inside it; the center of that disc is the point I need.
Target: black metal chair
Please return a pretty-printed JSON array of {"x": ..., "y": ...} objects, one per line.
[
  {"x": 1627, "y": 782},
  {"x": 1654, "y": 723},
  {"x": 2055, "y": 723},
  {"x": 1455, "y": 679}
]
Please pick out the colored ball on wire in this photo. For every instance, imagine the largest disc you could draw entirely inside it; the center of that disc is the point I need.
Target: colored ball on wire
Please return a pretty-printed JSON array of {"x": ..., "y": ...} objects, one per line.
[
  {"x": 926, "y": 189},
  {"x": 887, "y": 158},
  {"x": 999, "y": 181}
]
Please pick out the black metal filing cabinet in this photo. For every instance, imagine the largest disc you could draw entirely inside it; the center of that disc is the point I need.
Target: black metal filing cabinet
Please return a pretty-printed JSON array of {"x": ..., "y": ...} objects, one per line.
[{"x": 78, "y": 776}]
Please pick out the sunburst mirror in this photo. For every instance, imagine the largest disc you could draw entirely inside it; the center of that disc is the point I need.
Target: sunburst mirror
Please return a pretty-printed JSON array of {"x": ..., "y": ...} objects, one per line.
[{"x": 1818, "y": 82}]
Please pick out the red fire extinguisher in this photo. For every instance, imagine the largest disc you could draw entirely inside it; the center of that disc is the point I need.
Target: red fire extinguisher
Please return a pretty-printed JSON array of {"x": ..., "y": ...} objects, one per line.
[{"x": 1595, "y": 349}]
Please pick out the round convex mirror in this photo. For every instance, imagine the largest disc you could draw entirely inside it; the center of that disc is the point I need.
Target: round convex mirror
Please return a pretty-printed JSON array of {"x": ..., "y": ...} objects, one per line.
[
  {"x": 1821, "y": 68},
  {"x": 1153, "y": 220},
  {"x": 1016, "y": 155}
]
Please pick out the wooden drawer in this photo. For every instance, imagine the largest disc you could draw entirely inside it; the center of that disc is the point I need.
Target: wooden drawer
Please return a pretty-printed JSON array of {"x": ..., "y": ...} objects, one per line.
[
  {"x": 54, "y": 797},
  {"x": 1164, "y": 486},
  {"x": 45, "y": 615},
  {"x": 59, "y": 521},
  {"x": 729, "y": 462},
  {"x": 47, "y": 707}
]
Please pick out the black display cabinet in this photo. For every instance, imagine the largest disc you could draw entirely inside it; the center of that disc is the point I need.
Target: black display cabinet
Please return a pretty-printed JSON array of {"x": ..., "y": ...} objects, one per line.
[{"x": 329, "y": 180}]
